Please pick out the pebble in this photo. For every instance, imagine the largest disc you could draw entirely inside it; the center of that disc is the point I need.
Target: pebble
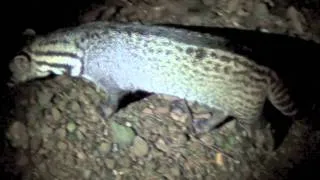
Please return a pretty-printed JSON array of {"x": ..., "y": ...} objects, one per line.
[
  {"x": 46, "y": 130},
  {"x": 56, "y": 114},
  {"x": 219, "y": 159},
  {"x": 296, "y": 19},
  {"x": 81, "y": 155},
  {"x": 147, "y": 111},
  {"x": 233, "y": 5},
  {"x": 202, "y": 116},
  {"x": 161, "y": 145},
  {"x": 110, "y": 163},
  {"x": 87, "y": 173},
  {"x": 105, "y": 147},
  {"x": 261, "y": 12},
  {"x": 162, "y": 110},
  {"x": 74, "y": 106},
  {"x": 209, "y": 2},
  {"x": 62, "y": 146},
  {"x": 18, "y": 134},
  {"x": 140, "y": 147},
  {"x": 122, "y": 135},
  {"x": 124, "y": 162},
  {"x": 179, "y": 117},
  {"x": 71, "y": 126},
  {"x": 44, "y": 98}
]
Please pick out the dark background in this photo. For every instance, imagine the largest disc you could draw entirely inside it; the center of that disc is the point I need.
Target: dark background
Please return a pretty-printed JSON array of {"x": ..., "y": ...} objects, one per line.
[{"x": 45, "y": 16}]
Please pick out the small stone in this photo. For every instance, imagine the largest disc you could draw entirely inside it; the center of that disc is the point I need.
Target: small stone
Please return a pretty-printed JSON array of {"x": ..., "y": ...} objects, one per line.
[
  {"x": 74, "y": 106},
  {"x": 44, "y": 98},
  {"x": 175, "y": 171},
  {"x": 83, "y": 129},
  {"x": 61, "y": 133},
  {"x": 64, "y": 81},
  {"x": 147, "y": 111},
  {"x": 124, "y": 162},
  {"x": 110, "y": 163},
  {"x": 95, "y": 119},
  {"x": 161, "y": 145},
  {"x": 269, "y": 3},
  {"x": 17, "y": 134},
  {"x": 106, "y": 132},
  {"x": 169, "y": 177},
  {"x": 163, "y": 169},
  {"x": 79, "y": 135},
  {"x": 73, "y": 94},
  {"x": 46, "y": 130},
  {"x": 209, "y": 177},
  {"x": 180, "y": 139},
  {"x": 297, "y": 19},
  {"x": 71, "y": 126},
  {"x": 32, "y": 115},
  {"x": 128, "y": 124},
  {"x": 202, "y": 116},
  {"x": 61, "y": 104},
  {"x": 104, "y": 147},
  {"x": 81, "y": 155},
  {"x": 219, "y": 159},
  {"x": 207, "y": 139},
  {"x": 209, "y": 2},
  {"x": 156, "y": 153},
  {"x": 42, "y": 166},
  {"x": 233, "y": 5},
  {"x": 56, "y": 114},
  {"x": 140, "y": 147},
  {"x": 122, "y": 135},
  {"x": 261, "y": 11},
  {"x": 177, "y": 110},
  {"x": 48, "y": 145},
  {"x": 150, "y": 165},
  {"x": 179, "y": 117},
  {"x": 62, "y": 146},
  {"x": 151, "y": 106},
  {"x": 91, "y": 15},
  {"x": 87, "y": 173},
  {"x": 107, "y": 111},
  {"x": 108, "y": 13},
  {"x": 162, "y": 110}
]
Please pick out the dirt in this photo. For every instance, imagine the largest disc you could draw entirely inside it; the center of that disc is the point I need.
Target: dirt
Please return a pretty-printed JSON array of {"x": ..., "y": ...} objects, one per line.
[{"x": 57, "y": 130}]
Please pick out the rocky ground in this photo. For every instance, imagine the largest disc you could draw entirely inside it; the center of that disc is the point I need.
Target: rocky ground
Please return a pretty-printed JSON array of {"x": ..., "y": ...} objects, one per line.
[{"x": 57, "y": 131}]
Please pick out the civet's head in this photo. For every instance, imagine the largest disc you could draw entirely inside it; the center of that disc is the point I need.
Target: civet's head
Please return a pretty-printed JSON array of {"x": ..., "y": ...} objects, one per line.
[
  {"x": 44, "y": 56},
  {"x": 23, "y": 68}
]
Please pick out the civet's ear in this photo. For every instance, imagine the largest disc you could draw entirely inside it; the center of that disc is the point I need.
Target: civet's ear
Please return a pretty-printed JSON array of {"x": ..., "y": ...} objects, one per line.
[{"x": 28, "y": 35}]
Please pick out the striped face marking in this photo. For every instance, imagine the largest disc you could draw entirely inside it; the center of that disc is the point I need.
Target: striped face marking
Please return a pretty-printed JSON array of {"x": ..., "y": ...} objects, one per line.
[
  {"x": 42, "y": 58},
  {"x": 57, "y": 56}
]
